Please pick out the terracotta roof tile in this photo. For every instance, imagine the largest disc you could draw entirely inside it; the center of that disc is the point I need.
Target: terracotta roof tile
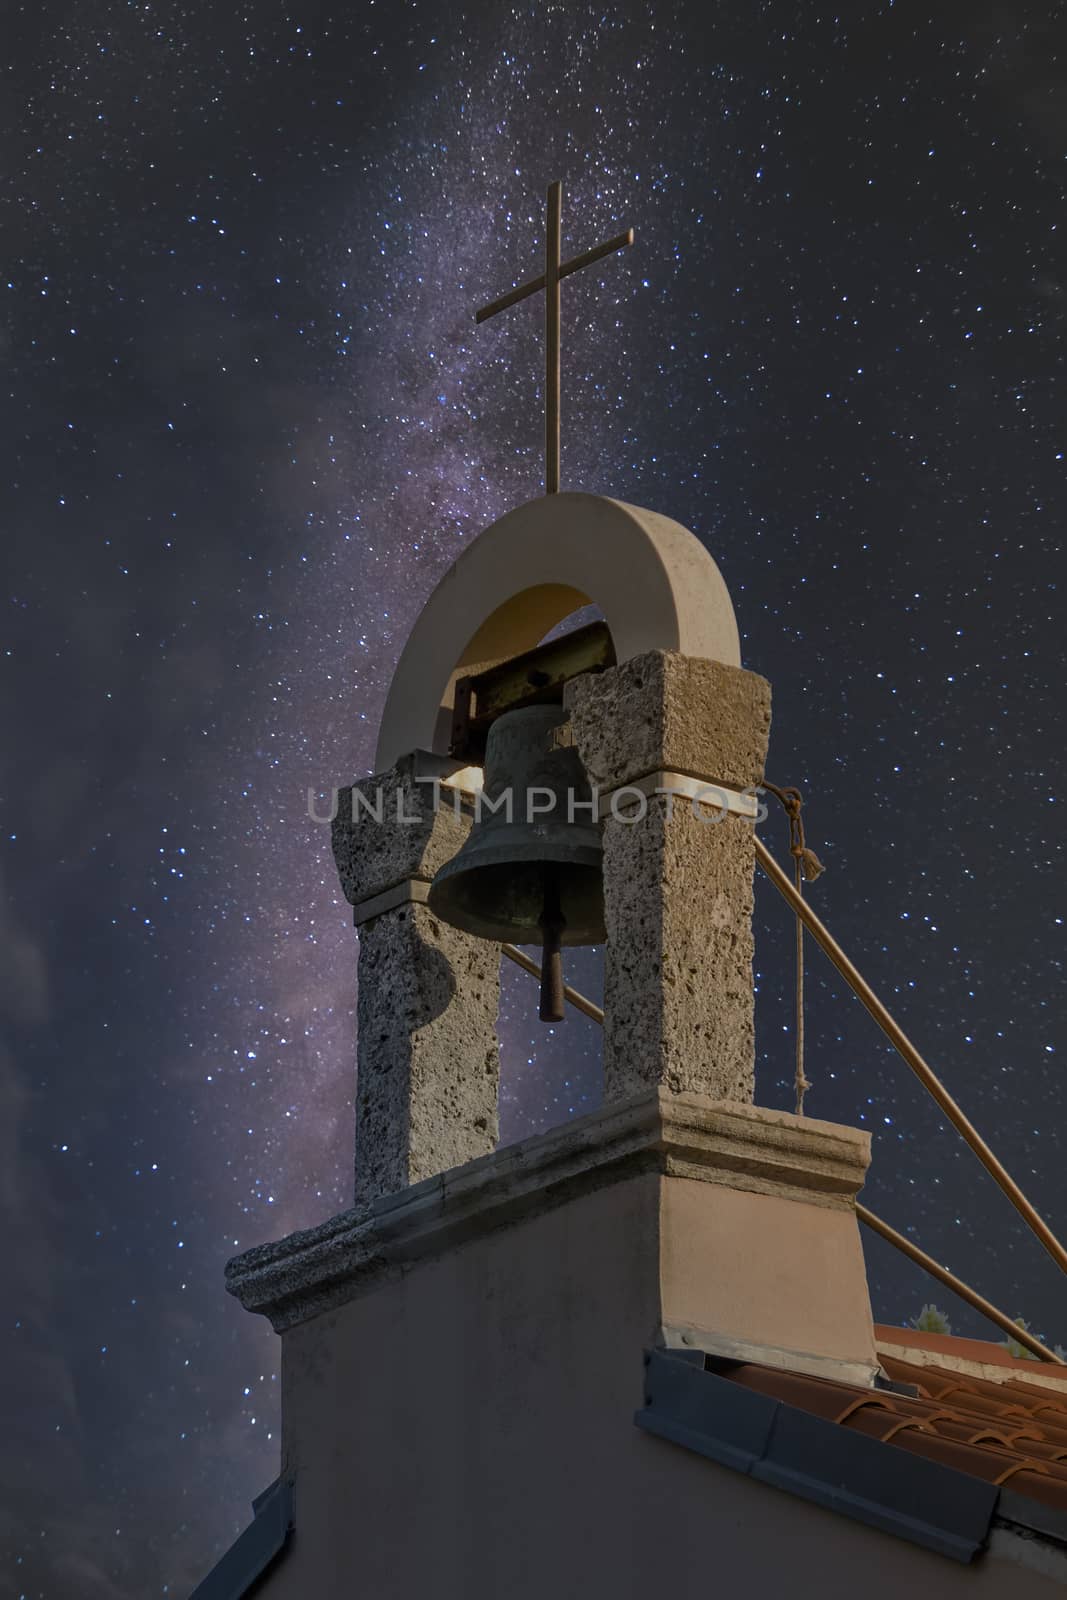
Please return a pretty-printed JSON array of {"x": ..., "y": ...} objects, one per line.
[{"x": 1003, "y": 1432}]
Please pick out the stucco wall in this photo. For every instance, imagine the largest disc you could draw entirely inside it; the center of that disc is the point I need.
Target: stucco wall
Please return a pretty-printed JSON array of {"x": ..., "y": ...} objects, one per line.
[{"x": 465, "y": 1431}]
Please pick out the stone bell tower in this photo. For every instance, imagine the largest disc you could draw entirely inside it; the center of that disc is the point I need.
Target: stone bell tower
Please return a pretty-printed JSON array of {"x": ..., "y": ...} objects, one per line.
[
  {"x": 462, "y": 1351},
  {"x": 675, "y": 717}
]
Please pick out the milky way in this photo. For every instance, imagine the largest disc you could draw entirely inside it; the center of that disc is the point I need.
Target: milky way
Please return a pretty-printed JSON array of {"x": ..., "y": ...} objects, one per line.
[{"x": 251, "y": 422}]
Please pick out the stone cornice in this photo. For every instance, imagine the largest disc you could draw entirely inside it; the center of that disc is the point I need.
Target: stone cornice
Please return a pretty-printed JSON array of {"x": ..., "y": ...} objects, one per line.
[{"x": 686, "y": 1136}]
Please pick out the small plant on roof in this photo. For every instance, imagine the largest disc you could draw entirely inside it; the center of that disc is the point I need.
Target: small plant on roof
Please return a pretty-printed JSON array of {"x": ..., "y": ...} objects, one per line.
[
  {"x": 1022, "y": 1353},
  {"x": 1014, "y": 1348},
  {"x": 931, "y": 1319}
]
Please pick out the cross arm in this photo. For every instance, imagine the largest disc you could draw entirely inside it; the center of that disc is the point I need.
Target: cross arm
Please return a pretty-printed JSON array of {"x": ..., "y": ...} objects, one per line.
[
  {"x": 575, "y": 264},
  {"x": 510, "y": 298},
  {"x": 587, "y": 257}
]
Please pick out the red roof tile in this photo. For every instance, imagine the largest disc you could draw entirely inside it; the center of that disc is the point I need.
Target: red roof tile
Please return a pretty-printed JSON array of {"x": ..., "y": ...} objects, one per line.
[
  {"x": 1005, "y": 1432},
  {"x": 948, "y": 1344}
]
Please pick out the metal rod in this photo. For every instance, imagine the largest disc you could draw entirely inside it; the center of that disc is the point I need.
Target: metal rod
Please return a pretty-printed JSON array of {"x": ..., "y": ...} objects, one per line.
[
  {"x": 949, "y": 1279},
  {"x": 552, "y": 234},
  {"x": 934, "y": 1268},
  {"x": 578, "y": 1001},
  {"x": 801, "y": 1081},
  {"x": 899, "y": 1039}
]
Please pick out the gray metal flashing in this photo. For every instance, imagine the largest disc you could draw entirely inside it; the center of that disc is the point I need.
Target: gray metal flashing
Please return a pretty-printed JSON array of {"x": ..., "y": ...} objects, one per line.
[
  {"x": 859, "y": 1477},
  {"x": 253, "y": 1551},
  {"x": 716, "y": 1420},
  {"x": 1022, "y": 1512},
  {"x": 878, "y": 1483}
]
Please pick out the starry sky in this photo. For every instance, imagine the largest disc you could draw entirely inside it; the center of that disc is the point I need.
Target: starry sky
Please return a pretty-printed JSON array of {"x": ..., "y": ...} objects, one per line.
[{"x": 249, "y": 422}]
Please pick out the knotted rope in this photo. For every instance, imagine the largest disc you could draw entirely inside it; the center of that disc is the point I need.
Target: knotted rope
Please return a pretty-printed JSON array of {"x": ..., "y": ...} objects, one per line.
[{"x": 806, "y": 868}]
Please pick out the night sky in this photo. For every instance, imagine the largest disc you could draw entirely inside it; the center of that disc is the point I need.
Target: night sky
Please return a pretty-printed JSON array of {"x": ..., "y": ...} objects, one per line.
[{"x": 249, "y": 422}]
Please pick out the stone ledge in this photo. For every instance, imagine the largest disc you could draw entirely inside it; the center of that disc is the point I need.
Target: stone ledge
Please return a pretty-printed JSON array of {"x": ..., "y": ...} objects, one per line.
[
  {"x": 374, "y": 849},
  {"x": 782, "y": 1359},
  {"x": 685, "y": 1136}
]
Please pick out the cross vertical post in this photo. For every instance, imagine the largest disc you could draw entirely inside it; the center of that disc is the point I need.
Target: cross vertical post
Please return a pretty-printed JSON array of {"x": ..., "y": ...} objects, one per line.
[
  {"x": 552, "y": 340},
  {"x": 549, "y": 281}
]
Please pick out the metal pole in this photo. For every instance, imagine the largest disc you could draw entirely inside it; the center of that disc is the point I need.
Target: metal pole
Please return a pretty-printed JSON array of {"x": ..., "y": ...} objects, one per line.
[
  {"x": 957, "y": 1285},
  {"x": 552, "y": 240},
  {"x": 899, "y": 1039},
  {"x": 936, "y": 1270},
  {"x": 949, "y": 1279}
]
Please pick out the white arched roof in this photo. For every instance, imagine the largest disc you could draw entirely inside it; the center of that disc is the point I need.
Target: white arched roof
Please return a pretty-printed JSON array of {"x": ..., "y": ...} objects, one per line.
[{"x": 657, "y": 586}]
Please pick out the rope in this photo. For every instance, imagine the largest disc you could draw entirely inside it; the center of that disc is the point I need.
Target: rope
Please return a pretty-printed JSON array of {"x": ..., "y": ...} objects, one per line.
[{"x": 806, "y": 867}]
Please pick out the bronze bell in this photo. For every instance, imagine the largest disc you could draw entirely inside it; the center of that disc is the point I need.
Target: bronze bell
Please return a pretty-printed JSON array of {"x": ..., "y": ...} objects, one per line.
[{"x": 531, "y": 866}]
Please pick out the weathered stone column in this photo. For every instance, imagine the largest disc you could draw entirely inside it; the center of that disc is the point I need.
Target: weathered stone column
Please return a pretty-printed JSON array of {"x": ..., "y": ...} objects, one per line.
[
  {"x": 678, "y": 989},
  {"x": 426, "y": 1048}
]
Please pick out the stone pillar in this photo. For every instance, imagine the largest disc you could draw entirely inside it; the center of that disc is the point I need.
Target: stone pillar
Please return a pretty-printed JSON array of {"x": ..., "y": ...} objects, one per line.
[
  {"x": 678, "y": 987},
  {"x": 426, "y": 1047}
]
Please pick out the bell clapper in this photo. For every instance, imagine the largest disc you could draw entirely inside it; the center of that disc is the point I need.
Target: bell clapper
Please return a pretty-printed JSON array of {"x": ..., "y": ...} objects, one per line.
[{"x": 552, "y": 924}]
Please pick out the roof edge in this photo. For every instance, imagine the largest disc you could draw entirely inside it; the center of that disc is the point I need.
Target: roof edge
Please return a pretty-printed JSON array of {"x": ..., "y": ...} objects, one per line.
[
  {"x": 255, "y": 1549},
  {"x": 975, "y": 1358}
]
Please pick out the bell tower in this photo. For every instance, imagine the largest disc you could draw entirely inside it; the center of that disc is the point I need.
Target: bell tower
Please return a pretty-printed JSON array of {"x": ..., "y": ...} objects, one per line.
[
  {"x": 463, "y": 1351},
  {"x": 479, "y": 1304},
  {"x": 617, "y": 804}
]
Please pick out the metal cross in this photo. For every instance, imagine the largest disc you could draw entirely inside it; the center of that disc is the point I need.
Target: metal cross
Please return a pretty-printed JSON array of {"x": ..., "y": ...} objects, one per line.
[{"x": 549, "y": 281}]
